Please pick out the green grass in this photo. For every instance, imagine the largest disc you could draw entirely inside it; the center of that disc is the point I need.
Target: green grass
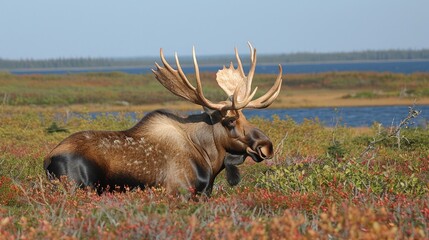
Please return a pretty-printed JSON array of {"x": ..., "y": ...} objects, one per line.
[{"x": 322, "y": 183}]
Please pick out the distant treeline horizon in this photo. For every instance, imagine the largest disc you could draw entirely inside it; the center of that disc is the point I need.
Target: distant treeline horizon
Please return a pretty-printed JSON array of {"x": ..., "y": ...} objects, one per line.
[{"x": 301, "y": 57}]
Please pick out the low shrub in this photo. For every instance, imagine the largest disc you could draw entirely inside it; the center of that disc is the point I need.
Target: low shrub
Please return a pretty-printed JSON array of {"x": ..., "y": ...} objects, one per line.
[{"x": 322, "y": 183}]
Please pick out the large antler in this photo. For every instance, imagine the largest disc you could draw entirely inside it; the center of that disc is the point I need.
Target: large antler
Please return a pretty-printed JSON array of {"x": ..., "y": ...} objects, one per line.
[
  {"x": 238, "y": 86},
  {"x": 232, "y": 81}
]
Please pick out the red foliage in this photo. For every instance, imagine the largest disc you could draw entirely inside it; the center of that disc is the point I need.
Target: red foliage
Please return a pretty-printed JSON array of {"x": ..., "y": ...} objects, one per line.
[{"x": 8, "y": 191}]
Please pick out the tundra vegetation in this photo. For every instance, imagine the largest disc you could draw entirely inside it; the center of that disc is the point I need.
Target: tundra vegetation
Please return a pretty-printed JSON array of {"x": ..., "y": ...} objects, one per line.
[
  {"x": 127, "y": 89},
  {"x": 324, "y": 182}
]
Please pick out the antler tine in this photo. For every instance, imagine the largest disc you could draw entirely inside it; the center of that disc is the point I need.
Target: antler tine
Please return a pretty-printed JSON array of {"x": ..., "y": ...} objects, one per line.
[
  {"x": 240, "y": 66},
  {"x": 182, "y": 74},
  {"x": 197, "y": 73},
  {"x": 161, "y": 53},
  {"x": 251, "y": 50},
  {"x": 248, "y": 96},
  {"x": 199, "y": 90},
  {"x": 265, "y": 100},
  {"x": 252, "y": 67},
  {"x": 239, "y": 105}
]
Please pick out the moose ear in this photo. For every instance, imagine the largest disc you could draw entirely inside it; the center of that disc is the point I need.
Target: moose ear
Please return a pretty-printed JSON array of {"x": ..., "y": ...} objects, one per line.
[
  {"x": 208, "y": 110},
  {"x": 229, "y": 122},
  {"x": 215, "y": 115}
]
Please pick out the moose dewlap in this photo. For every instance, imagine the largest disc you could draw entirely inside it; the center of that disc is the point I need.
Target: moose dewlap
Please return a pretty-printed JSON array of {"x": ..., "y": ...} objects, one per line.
[{"x": 170, "y": 151}]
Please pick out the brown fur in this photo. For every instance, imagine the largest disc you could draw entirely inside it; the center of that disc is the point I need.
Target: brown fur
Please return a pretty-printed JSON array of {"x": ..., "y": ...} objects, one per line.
[{"x": 161, "y": 150}]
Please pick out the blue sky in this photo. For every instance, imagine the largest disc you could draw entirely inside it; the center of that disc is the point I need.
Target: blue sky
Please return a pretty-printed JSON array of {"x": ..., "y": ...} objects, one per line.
[{"x": 55, "y": 28}]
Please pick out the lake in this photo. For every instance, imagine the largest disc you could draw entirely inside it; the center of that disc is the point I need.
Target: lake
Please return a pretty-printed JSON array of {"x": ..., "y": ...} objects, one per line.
[
  {"x": 348, "y": 116},
  {"x": 374, "y": 66},
  {"x": 344, "y": 116}
]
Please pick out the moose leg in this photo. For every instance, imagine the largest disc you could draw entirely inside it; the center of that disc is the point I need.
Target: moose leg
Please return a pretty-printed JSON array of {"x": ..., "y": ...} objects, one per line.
[
  {"x": 77, "y": 168},
  {"x": 194, "y": 179}
]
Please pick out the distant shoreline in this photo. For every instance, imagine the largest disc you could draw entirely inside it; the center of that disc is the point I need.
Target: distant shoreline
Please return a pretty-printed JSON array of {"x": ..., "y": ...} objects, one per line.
[
  {"x": 395, "y": 66},
  {"x": 212, "y": 65},
  {"x": 219, "y": 60}
]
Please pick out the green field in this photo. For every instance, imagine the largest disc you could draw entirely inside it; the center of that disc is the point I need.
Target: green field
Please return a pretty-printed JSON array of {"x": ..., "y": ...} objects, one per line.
[
  {"x": 326, "y": 183},
  {"x": 120, "y": 88}
]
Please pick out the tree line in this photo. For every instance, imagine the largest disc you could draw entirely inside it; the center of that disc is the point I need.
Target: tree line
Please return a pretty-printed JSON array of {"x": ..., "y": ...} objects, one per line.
[{"x": 370, "y": 55}]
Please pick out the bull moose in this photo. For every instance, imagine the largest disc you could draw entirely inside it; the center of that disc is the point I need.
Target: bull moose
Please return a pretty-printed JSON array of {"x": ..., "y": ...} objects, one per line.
[{"x": 171, "y": 151}]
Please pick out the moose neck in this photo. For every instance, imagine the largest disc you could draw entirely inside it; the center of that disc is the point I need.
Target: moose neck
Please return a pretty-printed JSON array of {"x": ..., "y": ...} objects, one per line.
[{"x": 207, "y": 135}]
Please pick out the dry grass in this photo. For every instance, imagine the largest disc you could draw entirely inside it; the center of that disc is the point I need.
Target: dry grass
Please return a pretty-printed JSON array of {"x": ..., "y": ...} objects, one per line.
[
  {"x": 292, "y": 98},
  {"x": 143, "y": 92}
]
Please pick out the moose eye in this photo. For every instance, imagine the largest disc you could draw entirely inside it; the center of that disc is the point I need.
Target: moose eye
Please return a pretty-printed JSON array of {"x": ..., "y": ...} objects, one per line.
[{"x": 230, "y": 123}]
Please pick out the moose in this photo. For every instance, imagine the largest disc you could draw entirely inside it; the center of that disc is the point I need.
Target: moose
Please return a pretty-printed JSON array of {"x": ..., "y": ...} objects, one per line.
[{"x": 168, "y": 150}]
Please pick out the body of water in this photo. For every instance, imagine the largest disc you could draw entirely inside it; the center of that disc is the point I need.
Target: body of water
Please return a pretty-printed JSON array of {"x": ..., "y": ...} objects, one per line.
[
  {"x": 344, "y": 116},
  {"x": 375, "y": 66},
  {"x": 348, "y": 116}
]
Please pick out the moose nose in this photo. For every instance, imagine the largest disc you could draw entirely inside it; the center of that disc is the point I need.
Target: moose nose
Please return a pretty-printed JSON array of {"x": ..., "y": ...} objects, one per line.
[
  {"x": 265, "y": 150},
  {"x": 260, "y": 146}
]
